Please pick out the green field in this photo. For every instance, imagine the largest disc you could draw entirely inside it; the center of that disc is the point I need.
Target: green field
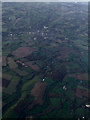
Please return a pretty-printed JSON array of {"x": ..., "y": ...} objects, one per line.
[{"x": 45, "y": 51}]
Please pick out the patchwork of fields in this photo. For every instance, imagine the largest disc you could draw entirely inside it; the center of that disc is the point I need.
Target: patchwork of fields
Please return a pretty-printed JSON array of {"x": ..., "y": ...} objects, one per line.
[{"x": 45, "y": 60}]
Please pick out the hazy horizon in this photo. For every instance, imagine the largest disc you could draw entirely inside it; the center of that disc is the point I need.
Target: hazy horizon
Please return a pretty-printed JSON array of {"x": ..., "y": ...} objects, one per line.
[{"x": 45, "y": 0}]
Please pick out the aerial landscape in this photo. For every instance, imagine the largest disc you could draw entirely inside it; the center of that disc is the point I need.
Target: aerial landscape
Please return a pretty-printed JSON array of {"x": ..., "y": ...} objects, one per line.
[{"x": 45, "y": 60}]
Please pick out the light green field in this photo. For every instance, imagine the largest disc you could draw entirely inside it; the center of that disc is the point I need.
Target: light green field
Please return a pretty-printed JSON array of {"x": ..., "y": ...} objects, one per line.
[
  {"x": 6, "y": 76},
  {"x": 21, "y": 72},
  {"x": 10, "y": 114},
  {"x": 28, "y": 86},
  {"x": 12, "y": 64},
  {"x": 57, "y": 90}
]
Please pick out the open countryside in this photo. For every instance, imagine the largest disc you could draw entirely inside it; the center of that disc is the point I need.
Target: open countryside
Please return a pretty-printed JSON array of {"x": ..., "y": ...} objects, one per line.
[{"x": 45, "y": 60}]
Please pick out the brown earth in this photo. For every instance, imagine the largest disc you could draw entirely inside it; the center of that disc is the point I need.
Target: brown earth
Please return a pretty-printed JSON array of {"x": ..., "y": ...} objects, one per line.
[
  {"x": 80, "y": 92},
  {"x": 54, "y": 95},
  {"x": 63, "y": 56},
  {"x": 79, "y": 76},
  {"x": 60, "y": 41},
  {"x": 23, "y": 51},
  {"x": 18, "y": 19},
  {"x": 32, "y": 65},
  {"x": 4, "y": 60},
  {"x": 38, "y": 92},
  {"x": 64, "y": 52},
  {"x": 53, "y": 45}
]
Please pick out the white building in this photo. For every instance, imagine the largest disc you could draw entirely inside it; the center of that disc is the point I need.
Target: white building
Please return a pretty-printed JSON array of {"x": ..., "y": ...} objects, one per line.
[{"x": 43, "y": 80}]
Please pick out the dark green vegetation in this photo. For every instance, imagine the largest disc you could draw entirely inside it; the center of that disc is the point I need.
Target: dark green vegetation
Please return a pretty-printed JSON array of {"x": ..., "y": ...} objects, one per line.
[{"x": 45, "y": 60}]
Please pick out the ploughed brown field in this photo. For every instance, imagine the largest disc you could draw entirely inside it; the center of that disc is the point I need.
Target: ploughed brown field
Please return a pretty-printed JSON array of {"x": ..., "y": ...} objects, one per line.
[
  {"x": 45, "y": 61},
  {"x": 60, "y": 41},
  {"x": 38, "y": 92},
  {"x": 53, "y": 45},
  {"x": 79, "y": 76},
  {"x": 54, "y": 95},
  {"x": 4, "y": 60},
  {"x": 32, "y": 65},
  {"x": 64, "y": 52},
  {"x": 23, "y": 52},
  {"x": 80, "y": 92}
]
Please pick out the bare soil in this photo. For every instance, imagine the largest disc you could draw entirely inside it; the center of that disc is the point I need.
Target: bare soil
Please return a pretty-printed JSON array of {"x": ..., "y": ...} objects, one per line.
[
  {"x": 80, "y": 92},
  {"x": 53, "y": 45},
  {"x": 38, "y": 92},
  {"x": 4, "y": 60},
  {"x": 32, "y": 65},
  {"x": 79, "y": 76},
  {"x": 23, "y": 52},
  {"x": 64, "y": 52}
]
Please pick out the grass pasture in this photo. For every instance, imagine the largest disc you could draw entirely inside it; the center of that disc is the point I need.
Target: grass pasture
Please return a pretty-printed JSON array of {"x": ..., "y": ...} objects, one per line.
[
  {"x": 12, "y": 64},
  {"x": 6, "y": 76},
  {"x": 12, "y": 86}
]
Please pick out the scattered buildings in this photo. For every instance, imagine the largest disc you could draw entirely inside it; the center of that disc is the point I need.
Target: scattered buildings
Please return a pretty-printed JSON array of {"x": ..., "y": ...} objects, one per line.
[{"x": 64, "y": 87}]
